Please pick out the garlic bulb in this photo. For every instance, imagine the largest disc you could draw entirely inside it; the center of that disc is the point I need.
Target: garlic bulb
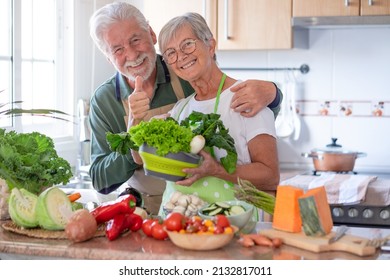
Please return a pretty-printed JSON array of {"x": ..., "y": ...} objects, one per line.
[{"x": 187, "y": 205}]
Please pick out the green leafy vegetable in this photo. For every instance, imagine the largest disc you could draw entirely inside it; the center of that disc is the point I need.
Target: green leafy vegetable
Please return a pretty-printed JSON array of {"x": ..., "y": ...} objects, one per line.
[
  {"x": 167, "y": 136},
  {"x": 216, "y": 135},
  {"x": 30, "y": 161}
]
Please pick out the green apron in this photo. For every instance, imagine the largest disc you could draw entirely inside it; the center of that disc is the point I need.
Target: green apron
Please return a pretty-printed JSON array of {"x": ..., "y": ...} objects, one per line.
[{"x": 209, "y": 189}]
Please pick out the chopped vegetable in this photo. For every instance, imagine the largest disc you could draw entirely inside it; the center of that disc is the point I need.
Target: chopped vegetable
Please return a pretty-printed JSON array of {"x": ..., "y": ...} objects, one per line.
[
  {"x": 22, "y": 206},
  {"x": 53, "y": 209},
  {"x": 246, "y": 191},
  {"x": 124, "y": 204},
  {"x": 223, "y": 208},
  {"x": 30, "y": 161}
]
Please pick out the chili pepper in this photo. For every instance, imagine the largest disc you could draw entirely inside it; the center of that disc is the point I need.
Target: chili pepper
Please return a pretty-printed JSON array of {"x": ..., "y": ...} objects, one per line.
[{"x": 106, "y": 211}]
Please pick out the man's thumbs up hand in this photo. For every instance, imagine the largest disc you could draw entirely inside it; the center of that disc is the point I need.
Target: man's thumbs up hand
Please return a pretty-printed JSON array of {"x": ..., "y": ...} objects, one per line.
[{"x": 138, "y": 102}]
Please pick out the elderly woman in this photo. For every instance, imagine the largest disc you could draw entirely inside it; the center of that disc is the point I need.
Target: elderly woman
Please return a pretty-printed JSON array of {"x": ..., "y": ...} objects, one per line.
[{"x": 188, "y": 47}]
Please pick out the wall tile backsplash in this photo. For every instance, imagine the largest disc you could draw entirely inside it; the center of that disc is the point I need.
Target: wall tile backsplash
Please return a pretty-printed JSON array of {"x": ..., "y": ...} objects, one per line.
[{"x": 346, "y": 93}]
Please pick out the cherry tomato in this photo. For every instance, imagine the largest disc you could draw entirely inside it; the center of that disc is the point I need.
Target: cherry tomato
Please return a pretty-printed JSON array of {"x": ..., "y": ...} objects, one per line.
[
  {"x": 222, "y": 221},
  {"x": 218, "y": 229},
  {"x": 175, "y": 221},
  {"x": 158, "y": 231},
  {"x": 147, "y": 226}
]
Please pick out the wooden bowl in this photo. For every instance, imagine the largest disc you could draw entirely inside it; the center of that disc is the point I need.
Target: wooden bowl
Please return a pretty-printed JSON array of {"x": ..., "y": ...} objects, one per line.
[{"x": 201, "y": 242}]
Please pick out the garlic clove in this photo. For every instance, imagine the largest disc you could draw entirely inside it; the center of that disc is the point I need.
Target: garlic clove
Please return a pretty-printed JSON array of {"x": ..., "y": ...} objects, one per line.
[{"x": 175, "y": 196}]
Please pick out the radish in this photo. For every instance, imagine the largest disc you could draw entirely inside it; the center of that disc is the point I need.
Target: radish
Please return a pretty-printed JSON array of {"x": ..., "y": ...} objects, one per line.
[{"x": 197, "y": 144}]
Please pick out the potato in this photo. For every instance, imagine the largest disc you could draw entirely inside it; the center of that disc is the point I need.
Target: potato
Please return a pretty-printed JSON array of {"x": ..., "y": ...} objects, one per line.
[{"x": 81, "y": 226}]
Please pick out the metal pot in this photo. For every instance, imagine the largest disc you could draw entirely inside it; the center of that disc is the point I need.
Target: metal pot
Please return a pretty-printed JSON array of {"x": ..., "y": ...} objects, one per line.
[{"x": 333, "y": 158}]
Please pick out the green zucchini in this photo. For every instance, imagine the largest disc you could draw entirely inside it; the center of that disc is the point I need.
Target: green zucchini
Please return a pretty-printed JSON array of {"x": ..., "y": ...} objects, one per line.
[
  {"x": 223, "y": 205},
  {"x": 236, "y": 210}
]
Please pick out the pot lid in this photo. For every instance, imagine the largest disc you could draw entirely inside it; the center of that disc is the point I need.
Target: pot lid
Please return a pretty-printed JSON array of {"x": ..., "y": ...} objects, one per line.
[{"x": 334, "y": 148}]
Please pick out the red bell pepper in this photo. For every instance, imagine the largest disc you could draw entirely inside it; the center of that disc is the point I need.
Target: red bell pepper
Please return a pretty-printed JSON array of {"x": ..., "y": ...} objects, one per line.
[
  {"x": 121, "y": 223},
  {"x": 116, "y": 226},
  {"x": 106, "y": 211},
  {"x": 135, "y": 221}
]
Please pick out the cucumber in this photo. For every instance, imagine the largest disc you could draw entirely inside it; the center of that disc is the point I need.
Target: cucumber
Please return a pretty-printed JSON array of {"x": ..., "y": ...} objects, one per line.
[
  {"x": 223, "y": 205},
  {"x": 215, "y": 212},
  {"x": 210, "y": 208},
  {"x": 223, "y": 208},
  {"x": 21, "y": 207},
  {"x": 236, "y": 210}
]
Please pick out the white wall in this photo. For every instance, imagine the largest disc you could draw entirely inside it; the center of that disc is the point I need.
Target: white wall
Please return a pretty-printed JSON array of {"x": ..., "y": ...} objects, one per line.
[{"x": 351, "y": 64}]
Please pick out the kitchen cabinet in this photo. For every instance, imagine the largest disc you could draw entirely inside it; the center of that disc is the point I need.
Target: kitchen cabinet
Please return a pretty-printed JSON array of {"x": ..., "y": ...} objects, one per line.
[
  {"x": 237, "y": 25},
  {"x": 319, "y": 8},
  {"x": 158, "y": 13},
  {"x": 374, "y": 7},
  {"x": 254, "y": 24}
]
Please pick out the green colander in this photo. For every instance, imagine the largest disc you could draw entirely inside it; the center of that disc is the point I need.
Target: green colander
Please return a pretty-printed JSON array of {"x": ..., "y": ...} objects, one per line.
[{"x": 168, "y": 167}]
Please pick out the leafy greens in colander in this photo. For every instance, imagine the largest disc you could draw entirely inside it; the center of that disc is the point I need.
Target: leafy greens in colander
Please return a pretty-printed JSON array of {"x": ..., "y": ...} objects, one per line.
[{"x": 168, "y": 136}]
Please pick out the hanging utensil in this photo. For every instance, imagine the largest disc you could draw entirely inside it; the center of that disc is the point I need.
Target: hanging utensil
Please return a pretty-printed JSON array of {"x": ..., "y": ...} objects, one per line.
[
  {"x": 285, "y": 121},
  {"x": 296, "y": 119}
]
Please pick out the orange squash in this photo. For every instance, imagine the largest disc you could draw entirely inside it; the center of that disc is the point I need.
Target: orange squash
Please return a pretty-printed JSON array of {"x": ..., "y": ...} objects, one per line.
[
  {"x": 286, "y": 214},
  {"x": 315, "y": 212}
]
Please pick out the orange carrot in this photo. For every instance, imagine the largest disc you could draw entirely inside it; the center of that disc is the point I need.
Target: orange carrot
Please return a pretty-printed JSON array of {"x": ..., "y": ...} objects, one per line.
[
  {"x": 260, "y": 239},
  {"x": 277, "y": 242},
  {"x": 246, "y": 241},
  {"x": 74, "y": 196}
]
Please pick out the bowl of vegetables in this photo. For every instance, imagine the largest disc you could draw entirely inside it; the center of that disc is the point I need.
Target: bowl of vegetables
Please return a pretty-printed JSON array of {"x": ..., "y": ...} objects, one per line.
[
  {"x": 199, "y": 234},
  {"x": 239, "y": 213}
]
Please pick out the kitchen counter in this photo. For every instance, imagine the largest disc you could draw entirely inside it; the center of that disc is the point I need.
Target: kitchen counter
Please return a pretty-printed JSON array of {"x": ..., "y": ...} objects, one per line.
[{"x": 135, "y": 245}]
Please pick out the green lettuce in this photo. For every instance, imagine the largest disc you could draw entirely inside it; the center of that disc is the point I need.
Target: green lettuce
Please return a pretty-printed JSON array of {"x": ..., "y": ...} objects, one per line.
[
  {"x": 30, "y": 161},
  {"x": 168, "y": 136}
]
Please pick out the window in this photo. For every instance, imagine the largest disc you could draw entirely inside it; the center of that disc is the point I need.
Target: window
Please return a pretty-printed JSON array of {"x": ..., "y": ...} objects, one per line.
[{"x": 36, "y": 62}]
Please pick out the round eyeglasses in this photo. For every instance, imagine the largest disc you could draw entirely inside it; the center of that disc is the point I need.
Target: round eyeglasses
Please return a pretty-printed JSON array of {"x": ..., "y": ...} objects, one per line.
[{"x": 187, "y": 46}]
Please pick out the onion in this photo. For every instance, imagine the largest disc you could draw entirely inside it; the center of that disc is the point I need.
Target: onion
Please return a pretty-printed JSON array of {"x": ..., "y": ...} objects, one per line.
[{"x": 197, "y": 144}]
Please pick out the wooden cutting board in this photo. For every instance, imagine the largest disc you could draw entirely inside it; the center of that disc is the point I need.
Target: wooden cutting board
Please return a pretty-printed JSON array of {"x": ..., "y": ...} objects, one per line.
[{"x": 348, "y": 243}]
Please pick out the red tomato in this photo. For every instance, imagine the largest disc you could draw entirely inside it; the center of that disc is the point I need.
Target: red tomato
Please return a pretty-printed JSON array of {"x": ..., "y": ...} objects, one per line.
[
  {"x": 175, "y": 221},
  {"x": 158, "y": 231},
  {"x": 222, "y": 221},
  {"x": 218, "y": 229},
  {"x": 147, "y": 226}
]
